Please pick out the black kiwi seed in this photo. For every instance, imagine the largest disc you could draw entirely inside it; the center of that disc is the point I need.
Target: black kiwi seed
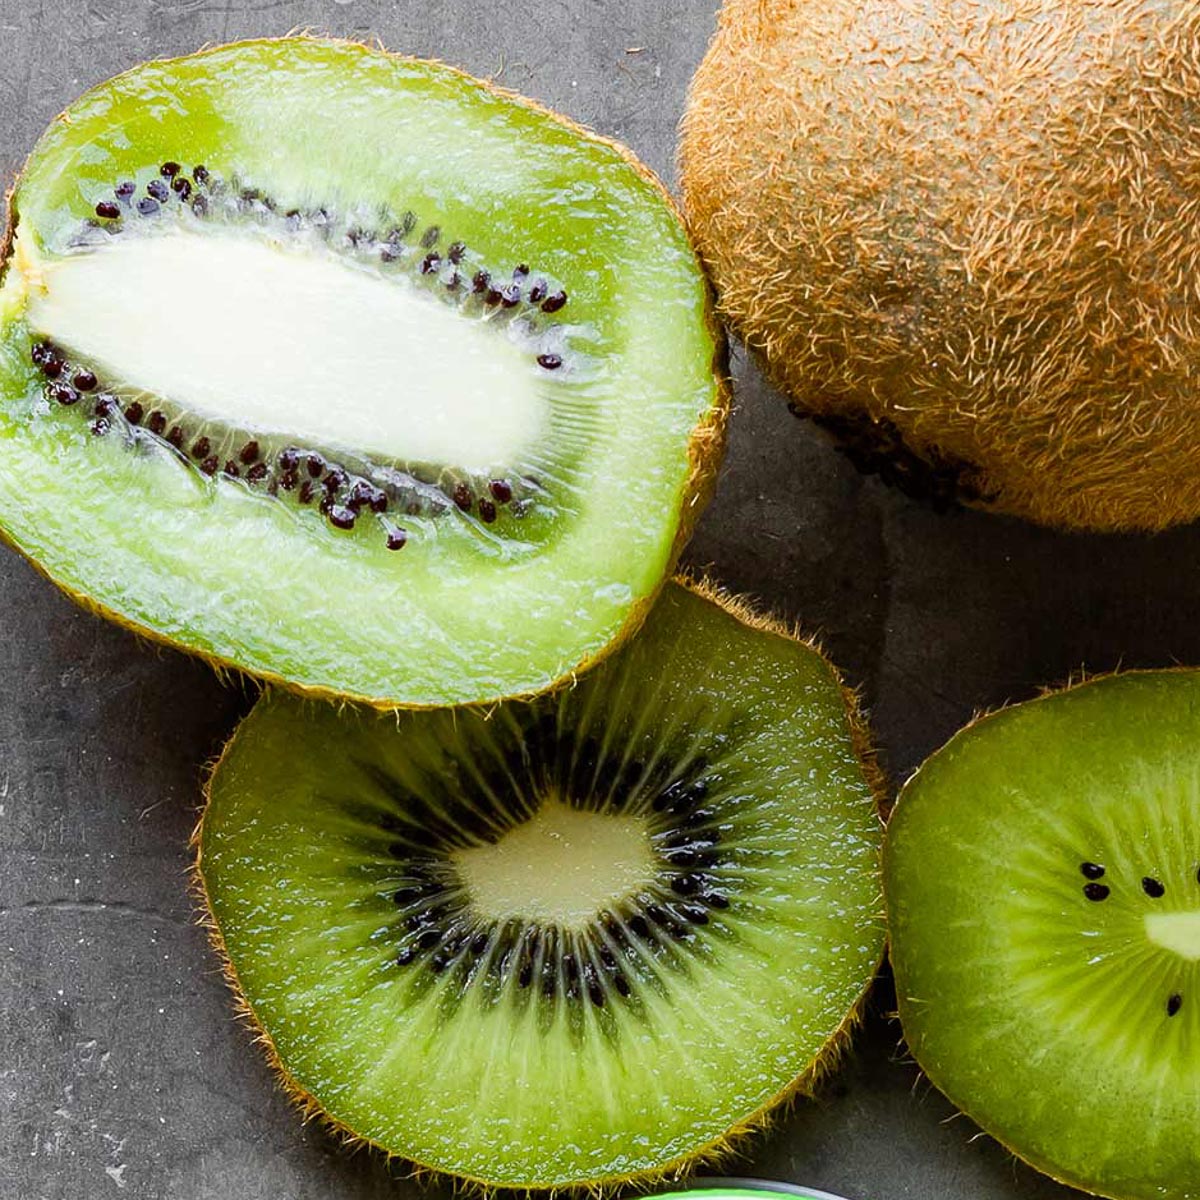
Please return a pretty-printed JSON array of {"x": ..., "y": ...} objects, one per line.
[
  {"x": 316, "y": 464},
  {"x": 396, "y": 538},
  {"x": 1174, "y": 1004},
  {"x": 537, "y": 293},
  {"x": 492, "y": 297},
  {"x": 520, "y": 273},
  {"x": 335, "y": 480},
  {"x": 487, "y": 511},
  {"x": 156, "y": 422},
  {"x": 501, "y": 490},
  {"x": 200, "y": 173},
  {"x": 430, "y": 262},
  {"x": 640, "y": 926},
  {"x": 341, "y": 517},
  {"x": 1091, "y": 870},
  {"x": 479, "y": 282},
  {"x": 288, "y": 459},
  {"x": 200, "y": 206},
  {"x": 510, "y": 295},
  {"x": 288, "y": 480},
  {"x": 257, "y": 472},
  {"x": 125, "y": 189},
  {"x": 45, "y": 356},
  {"x": 456, "y": 251},
  {"x": 202, "y": 448},
  {"x": 105, "y": 406},
  {"x": 108, "y": 210},
  {"x": 170, "y": 169},
  {"x": 175, "y": 437},
  {"x": 249, "y": 452},
  {"x": 100, "y": 426},
  {"x": 158, "y": 190},
  {"x": 685, "y": 885},
  {"x": 232, "y": 469},
  {"x": 694, "y": 913},
  {"x": 63, "y": 393},
  {"x": 306, "y": 492},
  {"x": 553, "y": 303},
  {"x": 181, "y": 187},
  {"x": 134, "y": 412},
  {"x": 147, "y": 207},
  {"x": 210, "y": 464},
  {"x": 463, "y": 497},
  {"x": 1096, "y": 891},
  {"x": 549, "y": 362},
  {"x": 85, "y": 381},
  {"x": 715, "y": 900},
  {"x": 1153, "y": 888},
  {"x": 429, "y": 238}
]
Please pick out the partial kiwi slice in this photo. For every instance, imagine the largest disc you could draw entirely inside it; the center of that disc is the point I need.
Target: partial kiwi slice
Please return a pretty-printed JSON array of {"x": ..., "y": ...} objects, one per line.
[
  {"x": 1044, "y": 906},
  {"x": 582, "y": 939},
  {"x": 351, "y": 371}
]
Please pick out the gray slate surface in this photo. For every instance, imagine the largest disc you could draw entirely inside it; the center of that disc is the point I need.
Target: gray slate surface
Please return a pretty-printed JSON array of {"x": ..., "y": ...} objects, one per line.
[{"x": 122, "y": 1072}]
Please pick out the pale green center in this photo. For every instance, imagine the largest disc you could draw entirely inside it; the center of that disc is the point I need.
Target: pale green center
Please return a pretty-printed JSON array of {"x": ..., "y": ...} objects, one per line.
[
  {"x": 1178, "y": 931},
  {"x": 293, "y": 341},
  {"x": 563, "y": 866}
]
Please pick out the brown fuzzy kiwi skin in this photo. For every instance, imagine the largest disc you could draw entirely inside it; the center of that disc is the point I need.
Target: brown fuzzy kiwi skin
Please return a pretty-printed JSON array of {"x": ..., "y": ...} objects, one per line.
[
  {"x": 974, "y": 222},
  {"x": 705, "y": 449},
  {"x": 718, "y": 1153},
  {"x": 1074, "y": 683}
]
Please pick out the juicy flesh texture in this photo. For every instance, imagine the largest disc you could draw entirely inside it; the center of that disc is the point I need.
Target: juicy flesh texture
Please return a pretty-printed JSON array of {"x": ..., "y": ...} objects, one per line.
[
  {"x": 489, "y": 1082},
  {"x": 561, "y": 866},
  {"x": 295, "y": 343},
  {"x": 1043, "y": 900},
  {"x": 468, "y": 611}
]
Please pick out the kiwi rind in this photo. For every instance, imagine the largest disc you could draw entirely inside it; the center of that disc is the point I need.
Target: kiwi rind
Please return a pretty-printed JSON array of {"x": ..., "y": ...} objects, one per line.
[
  {"x": 710, "y": 1155},
  {"x": 874, "y": 229},
  {"x": 1076, "y": 684},
  {"x": 704, "y": 449}
]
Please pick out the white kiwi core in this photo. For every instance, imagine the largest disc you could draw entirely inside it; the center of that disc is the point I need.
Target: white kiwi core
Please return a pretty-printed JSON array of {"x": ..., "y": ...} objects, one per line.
[
  {"x": 1177, "y": 931},
  {"x": 288, "y": 340},
  {"x": 561, "y": 867}
]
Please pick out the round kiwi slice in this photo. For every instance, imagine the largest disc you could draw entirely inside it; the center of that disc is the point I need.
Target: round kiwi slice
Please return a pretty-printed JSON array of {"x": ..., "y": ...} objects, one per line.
[
  {"x": 1044, "y": 909},
  {"x": 580, "y": 939},
  {"x": 351, "y": 371},
  {"x": 961, "y": 236}
]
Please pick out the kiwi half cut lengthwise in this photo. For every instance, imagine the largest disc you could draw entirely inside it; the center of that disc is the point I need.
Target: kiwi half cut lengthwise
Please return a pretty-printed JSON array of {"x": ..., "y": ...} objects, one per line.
[
  {"x": 351, "y": 371},
  {"x": 579, "y": 940},
  {"x": 1044, "y": 912}
]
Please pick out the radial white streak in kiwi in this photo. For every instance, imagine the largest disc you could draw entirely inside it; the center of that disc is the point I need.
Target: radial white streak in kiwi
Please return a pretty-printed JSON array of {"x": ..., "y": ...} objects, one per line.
[
  {"x": 295, "y": 342},
  {"x": 1177, "y": 931},
  {"x": 563, "y": 866}
]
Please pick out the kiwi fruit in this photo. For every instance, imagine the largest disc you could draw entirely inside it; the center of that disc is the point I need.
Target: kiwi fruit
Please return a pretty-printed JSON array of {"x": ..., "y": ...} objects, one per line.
[
  {"x": 587, "y": 938},
  {"x": 1044, "y": 910},
  {"x": 962, "y": 238},
  {"x": 351, "y": 372}
]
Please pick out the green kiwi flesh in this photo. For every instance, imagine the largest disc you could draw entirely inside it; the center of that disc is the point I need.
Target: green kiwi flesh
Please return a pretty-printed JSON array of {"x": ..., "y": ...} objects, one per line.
[
  {"x": 575, "y": 940},
  {"x": 351, "y": 371},
  {"x": 1044, "y": 911}
]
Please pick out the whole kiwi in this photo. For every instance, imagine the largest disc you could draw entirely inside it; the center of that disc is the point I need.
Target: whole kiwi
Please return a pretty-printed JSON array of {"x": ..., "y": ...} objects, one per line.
[{"x": 962, "y": 235}]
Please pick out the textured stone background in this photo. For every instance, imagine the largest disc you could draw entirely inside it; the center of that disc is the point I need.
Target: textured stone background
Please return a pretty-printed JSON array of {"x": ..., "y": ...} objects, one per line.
[{"x": 121, "y": 1070}]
